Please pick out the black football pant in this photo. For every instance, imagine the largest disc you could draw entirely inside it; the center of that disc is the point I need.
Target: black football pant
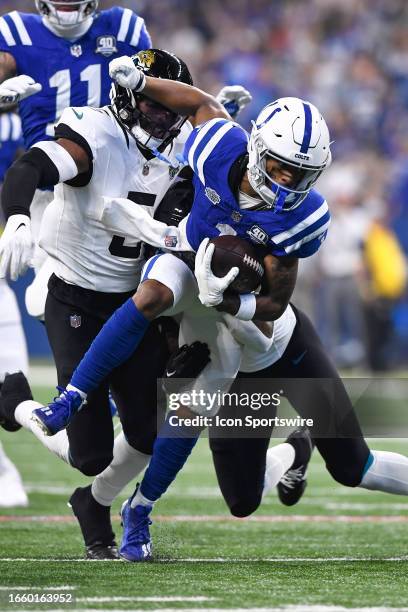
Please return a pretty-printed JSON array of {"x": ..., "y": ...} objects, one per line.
[
  {"x": 240, "y": 462},
  {"x": 73, "y": 317}
]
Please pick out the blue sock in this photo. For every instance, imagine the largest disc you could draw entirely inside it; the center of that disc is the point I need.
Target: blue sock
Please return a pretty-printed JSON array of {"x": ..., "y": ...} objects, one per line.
[
  {"x": 169, "y": 456},
  {"x": 114, "y": 344}
]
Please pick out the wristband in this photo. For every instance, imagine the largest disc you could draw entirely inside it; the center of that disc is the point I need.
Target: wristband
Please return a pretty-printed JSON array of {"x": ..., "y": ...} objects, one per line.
[
  {"x": 247, "y": 307},
  {"x": 141, "y": 83}
]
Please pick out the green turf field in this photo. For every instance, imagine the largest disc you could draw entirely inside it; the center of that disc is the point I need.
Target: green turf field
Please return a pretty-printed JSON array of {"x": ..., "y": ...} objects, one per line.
[{"x": 339, "y": 547}]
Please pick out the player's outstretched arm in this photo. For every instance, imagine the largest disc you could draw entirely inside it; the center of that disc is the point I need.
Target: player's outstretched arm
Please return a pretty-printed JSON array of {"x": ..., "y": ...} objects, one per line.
[
  {"x": 121, "y": 216},
  {"x": 45, "y": 164},
  {"x": 180, "y": 98}
]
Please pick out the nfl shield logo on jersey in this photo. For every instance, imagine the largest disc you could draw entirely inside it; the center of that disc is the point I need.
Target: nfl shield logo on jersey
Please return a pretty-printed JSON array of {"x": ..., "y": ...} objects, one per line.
[
  {"x": 75, "y": 321},
  {"x": 76, "y": 50},
  {"x": 106, "y": 45},
  {"x": 212, "y": 195}
]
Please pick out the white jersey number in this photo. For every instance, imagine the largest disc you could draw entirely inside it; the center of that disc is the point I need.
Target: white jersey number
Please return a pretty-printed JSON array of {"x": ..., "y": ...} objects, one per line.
[{"x": 61, "y": 80}]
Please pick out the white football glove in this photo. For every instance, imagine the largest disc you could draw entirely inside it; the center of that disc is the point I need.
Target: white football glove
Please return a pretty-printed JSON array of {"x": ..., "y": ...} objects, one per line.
[
  {"x": 17, "y": 88},
  {"x": 124, "y": 72},
  {"x": 16, "y": 247},
  {"x": 234, "y": 99},
  {"x": 211, "y": 287}
]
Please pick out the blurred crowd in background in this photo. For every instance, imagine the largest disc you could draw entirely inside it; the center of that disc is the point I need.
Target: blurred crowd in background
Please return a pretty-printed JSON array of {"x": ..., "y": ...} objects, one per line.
[{"x": 350, "y": 58}]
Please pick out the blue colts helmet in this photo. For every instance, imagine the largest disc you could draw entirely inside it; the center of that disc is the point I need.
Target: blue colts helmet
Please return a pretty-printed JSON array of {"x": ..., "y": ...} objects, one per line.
[{"x": 291, "y": 131}]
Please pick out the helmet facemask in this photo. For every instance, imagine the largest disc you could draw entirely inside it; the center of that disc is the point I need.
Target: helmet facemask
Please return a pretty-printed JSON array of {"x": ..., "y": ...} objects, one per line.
[
  {"x": 155, "y": 127},
  {"x": 151, "y": 124},
  {"x": 56, "y": 13}
]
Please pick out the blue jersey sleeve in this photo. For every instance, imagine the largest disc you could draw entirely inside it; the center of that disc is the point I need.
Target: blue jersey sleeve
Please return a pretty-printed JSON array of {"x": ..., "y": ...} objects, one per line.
[
  {"x": 304, "y": 238},
  {"x": 212, "y": 145},
  {"x": 132, "y": 32},
  {"x": 14, "y": 36}
]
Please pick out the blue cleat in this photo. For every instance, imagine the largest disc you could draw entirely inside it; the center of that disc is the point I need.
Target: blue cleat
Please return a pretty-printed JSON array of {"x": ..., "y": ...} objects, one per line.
[
  {"x": 136, "y": 542},
  {"x": 58, "y": 414}
]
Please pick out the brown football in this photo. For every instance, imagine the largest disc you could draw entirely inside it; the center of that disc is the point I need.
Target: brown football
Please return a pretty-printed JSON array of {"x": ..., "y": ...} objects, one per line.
[{"x": 233, "y": 251}]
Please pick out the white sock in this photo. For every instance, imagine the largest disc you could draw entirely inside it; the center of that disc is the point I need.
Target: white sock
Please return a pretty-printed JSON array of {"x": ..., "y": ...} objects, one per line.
[
  {"x": 388, "y": 472},
  {"x": 12, "y": 493},
  {"x": 127, "y": 463},
  {"x": 279, "y": 460},
  {"x": 140, "y": 500},
  {"x": 4, "y": 460},
  {"x": 57, "y": 444},
  {"x": 81, "y": 393}
]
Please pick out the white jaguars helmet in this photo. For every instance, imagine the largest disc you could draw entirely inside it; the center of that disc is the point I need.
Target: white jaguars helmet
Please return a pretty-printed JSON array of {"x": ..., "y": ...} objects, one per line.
[
  {"x": 56, "y": 13},
  {"x": 291, "y": 131}
]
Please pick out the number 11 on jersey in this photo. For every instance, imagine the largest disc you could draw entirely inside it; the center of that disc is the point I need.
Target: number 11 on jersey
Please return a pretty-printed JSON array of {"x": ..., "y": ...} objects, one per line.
[{"x": 61, "y": 80}]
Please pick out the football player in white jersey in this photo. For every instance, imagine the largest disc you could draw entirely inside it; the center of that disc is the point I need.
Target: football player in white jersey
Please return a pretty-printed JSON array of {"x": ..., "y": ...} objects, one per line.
[
  {"x": 128, "y": 150},
  {"x": 81, "y": 41}
]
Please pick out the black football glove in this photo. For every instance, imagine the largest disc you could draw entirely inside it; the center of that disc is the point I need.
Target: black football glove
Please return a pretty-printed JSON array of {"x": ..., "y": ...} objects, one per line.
[{"x": 187, "y": 362}]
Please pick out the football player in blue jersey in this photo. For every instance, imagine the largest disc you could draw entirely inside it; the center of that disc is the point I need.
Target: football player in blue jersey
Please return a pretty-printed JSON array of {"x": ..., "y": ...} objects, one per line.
[
  {"x": 285, "y": 215},
  {"x": 161, "y": 276},
  {"x": 49, "y": 61},
  {"x": 258, "y": 187}
]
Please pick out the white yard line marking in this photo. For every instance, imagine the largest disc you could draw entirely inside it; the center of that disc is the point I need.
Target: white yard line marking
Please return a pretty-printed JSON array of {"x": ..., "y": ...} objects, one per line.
[
  {"x": 221, "y": 518},
  {"x": 292, "y": 608},
  {"x": 35, "y": 588},
  {"x": 158, "y": 598}
]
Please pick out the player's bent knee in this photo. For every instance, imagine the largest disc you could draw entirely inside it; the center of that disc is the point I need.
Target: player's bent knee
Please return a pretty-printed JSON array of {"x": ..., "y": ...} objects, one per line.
[
  {"x": 245, "y": 507},
  {"x": 94, "y": 466},
  {"x": 153, "y": 298},
  {"x": 347, "y": 475}
]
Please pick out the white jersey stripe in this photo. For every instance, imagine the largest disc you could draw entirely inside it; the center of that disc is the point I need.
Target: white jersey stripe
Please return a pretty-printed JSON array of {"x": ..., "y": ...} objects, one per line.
[
  {"x": 16, "y": 127},
  {"x": 6, "y": 32},
  {"x": 21, "y": 29},
  {"x": 211, "y": 144},
  {"x": 299, "y": 227},
  {"x": 5, "y": 127},
  {"x": 308, "y": 238},
  {"x": 200, "y": 135},
  {"x": 124, "y": 24},
  {"x": 136, "y": 32}
]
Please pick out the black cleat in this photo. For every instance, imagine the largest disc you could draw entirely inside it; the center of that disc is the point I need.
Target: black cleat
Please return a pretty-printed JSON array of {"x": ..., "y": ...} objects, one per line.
[
  {"x": 95, "y": 523},
  {"x": 293, "y": 483},
  {"x": 101, "y": 552},
  {"x": 15, "y": 389}
]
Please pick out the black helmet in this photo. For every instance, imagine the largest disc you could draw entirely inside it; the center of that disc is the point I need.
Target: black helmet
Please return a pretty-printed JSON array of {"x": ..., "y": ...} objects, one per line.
[{"x": 154, "y": 126}]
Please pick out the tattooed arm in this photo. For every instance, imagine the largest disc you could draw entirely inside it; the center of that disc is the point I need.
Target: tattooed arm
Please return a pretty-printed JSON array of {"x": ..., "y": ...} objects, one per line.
[
  {"x": 280, "y": 276},
  {"x": 8, "y": 66}
]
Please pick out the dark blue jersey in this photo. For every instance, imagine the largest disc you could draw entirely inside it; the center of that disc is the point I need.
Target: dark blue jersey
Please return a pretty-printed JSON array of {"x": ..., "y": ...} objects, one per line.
[
  {"x": 71, "y": 73},
  {"x": 211, "y": 150},
  {"x": 11, "y": 140}
]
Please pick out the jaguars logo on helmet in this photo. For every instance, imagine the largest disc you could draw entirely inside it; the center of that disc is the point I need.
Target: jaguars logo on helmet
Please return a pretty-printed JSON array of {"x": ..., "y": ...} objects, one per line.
[{"x": 144, "y": 59}]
